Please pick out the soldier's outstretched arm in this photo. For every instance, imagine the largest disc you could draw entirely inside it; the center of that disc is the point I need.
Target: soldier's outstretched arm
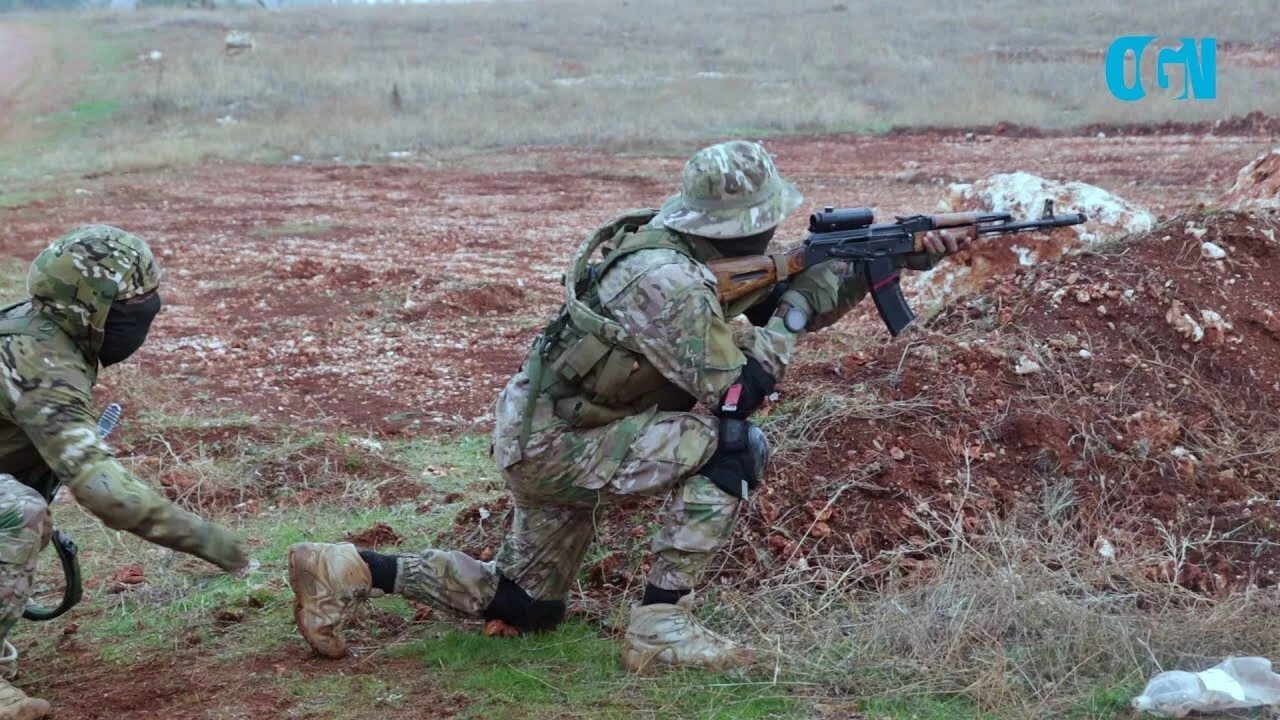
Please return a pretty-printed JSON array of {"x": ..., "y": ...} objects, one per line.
[
  {"x": 56, "y": 414},
  {"x": 668, "y": 305}
]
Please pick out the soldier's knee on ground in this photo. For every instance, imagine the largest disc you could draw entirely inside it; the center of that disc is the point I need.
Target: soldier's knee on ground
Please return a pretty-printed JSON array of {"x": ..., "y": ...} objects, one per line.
[{"x": 516, "y": 608}]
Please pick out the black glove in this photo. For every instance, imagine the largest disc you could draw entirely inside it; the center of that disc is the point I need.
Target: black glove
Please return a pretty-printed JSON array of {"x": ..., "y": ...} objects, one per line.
[
  {"x": 760, "y": 313},
  {"x": 747, "y": 394}
]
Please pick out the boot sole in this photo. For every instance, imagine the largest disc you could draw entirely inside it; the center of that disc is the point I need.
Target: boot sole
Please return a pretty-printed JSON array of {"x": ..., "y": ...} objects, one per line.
[
  {"x": 295, "y": 581},
  {"x": 647, "y": 663}
]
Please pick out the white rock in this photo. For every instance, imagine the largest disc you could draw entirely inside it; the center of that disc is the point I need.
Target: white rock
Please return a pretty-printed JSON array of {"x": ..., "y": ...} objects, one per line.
[
  {"x": 1257, "y": 185},
  {"x": 1212, "y": 251},
  {"x": 1022, "y": 195},
  {"x": 1184, "y": 323},
  {"x": 1025, "y": 366},
  {"x": 1104, "y": 548}
]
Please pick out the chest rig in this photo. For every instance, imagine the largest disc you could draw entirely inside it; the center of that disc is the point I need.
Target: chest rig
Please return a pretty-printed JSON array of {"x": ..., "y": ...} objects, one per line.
[{"x": 585, "y": 362}]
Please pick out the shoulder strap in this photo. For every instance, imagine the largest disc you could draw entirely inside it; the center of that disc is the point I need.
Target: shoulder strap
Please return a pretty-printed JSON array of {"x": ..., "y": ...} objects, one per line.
[
  {"x": 644, "y": 239},
  {"x": 30, "y": 323},
  {"x": 580, "y": 314}
]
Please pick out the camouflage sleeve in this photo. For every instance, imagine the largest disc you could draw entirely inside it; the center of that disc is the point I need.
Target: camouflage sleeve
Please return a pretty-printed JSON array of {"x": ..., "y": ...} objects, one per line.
[
  {"x": 852, "y": 289},
  {"x": 668, "y": 305},
  {"x": 51, "y": 404}
]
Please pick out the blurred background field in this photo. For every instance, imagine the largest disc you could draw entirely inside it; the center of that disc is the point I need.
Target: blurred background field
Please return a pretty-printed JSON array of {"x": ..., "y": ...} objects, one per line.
[{"x": 444, "y": 81}]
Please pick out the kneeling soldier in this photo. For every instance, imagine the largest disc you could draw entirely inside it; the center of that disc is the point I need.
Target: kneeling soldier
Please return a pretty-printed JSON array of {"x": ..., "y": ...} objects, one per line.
[{"x": 601, "y": 414}]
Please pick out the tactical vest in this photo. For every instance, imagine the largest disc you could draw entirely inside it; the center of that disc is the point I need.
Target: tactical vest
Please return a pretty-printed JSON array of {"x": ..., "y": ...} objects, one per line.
[{"x": 584, "y": 361}]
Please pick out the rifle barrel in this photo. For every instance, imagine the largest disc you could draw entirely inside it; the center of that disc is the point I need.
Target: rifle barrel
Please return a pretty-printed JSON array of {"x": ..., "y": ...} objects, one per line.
[{"x": 1037, "y": 224}]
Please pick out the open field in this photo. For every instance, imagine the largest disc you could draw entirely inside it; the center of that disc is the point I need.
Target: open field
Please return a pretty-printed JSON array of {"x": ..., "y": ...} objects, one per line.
[
  {"x": 335, "y": 332},
  {"x": 654, "y": 75}
]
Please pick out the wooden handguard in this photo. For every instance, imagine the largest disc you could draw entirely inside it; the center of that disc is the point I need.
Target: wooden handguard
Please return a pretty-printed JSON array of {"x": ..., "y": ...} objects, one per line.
[
  {"x": 740, "y": 276},
  {"x": 949, "y": 220}
]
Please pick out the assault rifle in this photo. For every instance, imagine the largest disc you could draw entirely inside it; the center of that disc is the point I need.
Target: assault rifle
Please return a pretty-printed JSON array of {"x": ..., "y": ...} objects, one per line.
[
  {"x": 849, "y": 234},
  {"x": 64, "y": 546}
]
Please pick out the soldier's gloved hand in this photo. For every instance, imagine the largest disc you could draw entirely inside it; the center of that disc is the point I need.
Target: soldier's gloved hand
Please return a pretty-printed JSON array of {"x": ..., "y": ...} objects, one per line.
[
  {"x": 123, "y": 502},
  {"x": 749, "y": 392},
  {"x": 221, "y": 547}
]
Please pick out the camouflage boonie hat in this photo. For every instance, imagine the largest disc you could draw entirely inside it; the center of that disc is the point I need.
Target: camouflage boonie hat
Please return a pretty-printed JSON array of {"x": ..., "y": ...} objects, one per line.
[
  {"x": 729, "y": 190},
  {"x": 75, "y": 279}
]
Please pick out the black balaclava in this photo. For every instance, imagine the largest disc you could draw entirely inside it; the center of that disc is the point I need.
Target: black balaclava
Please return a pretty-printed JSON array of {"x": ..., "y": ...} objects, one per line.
[
  {"x": 743, "y": 246},
  {"x": 126, "y": 327}
]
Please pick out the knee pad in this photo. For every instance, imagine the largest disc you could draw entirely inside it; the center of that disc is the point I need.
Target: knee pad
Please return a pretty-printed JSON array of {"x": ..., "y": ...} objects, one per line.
[
  {"x": 512, "y": 605},
  {"x": 740, "y": 458}
]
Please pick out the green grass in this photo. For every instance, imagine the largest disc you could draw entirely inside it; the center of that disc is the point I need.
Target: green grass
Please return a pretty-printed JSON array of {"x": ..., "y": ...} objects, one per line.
[
  {"x": 342, "y": 697},
  {"x": 572, "y": 672},
  {"x": 926, "y": 707},
  {"x": 81, "y": 116},
  {"x": 92, "y": 104},
  {"x": 289, "y": 229},
  {"x": 18, "y": 198},
  {"x": 577, "y": 670},
  {"x": 450, "y": 465}
]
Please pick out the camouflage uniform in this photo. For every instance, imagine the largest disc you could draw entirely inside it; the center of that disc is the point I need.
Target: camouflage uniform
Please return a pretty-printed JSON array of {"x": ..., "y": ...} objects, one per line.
[
  {"x": 49, "y": 349},
  {"x": 601, "y": 413},
  {"x": 610, "y": 420}
]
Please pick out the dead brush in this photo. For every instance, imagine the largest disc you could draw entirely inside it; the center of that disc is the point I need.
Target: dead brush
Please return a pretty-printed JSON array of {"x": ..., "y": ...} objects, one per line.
[
  {"x": 1018, "y": 616},
  {"x": 796, "y": 428}
]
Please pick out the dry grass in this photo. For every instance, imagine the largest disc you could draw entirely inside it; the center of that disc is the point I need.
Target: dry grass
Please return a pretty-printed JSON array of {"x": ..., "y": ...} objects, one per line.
[
  {"x": 630, "y": 75},
  {"x": 1018, "y": 619}
]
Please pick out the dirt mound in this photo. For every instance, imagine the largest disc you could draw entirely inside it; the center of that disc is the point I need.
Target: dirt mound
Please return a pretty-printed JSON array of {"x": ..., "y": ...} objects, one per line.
[
  {"x": 1131, "y": 393},
  {"x": 1023, "y": 194},
  {"x": 375, "y": 537},
  {"x": 1257, "y": 186}
]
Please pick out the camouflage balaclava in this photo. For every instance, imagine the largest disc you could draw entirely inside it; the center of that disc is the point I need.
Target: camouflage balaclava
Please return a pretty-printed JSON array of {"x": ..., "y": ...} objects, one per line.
[
  {"x": 730, "y": 191},
  {"x": 76, "y": 280}
]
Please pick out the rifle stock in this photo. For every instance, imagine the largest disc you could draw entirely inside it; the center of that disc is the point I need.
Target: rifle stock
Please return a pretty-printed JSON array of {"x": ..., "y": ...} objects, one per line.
[{"x": 738, "y": 277}]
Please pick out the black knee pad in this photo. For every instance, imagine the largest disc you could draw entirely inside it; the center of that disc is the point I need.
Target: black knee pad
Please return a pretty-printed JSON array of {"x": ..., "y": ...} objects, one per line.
[
  {"x": 740, "y": 458},
  {"x": 513, "y": 606}
]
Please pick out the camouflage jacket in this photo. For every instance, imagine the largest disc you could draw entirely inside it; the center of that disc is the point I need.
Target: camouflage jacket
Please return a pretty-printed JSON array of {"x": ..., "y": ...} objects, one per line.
[
  {"x": 48, "y": 358},
  {"x": 675, "y": 343}
]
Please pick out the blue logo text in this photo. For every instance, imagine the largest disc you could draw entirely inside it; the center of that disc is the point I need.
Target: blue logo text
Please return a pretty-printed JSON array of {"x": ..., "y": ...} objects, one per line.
[{"x": 1199, "y": 71}]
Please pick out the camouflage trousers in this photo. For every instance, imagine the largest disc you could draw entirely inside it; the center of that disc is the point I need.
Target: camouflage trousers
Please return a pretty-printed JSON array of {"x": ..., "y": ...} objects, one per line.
[
  {"x": 25, "y": 528},
  {"x": 560, "y": 483}
]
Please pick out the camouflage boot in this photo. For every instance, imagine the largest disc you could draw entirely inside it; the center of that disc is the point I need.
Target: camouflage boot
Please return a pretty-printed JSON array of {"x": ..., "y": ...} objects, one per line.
[
  {"x": 662, "y": 634},
  {"x": 15, "y": 705},
  {"x": 328, "y": 582}
]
